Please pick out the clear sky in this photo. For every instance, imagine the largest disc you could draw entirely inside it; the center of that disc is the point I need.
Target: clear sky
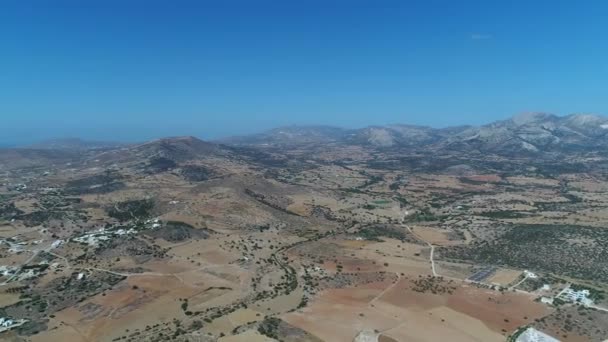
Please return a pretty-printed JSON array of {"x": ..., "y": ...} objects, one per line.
[{"x": 133, "y": 70}]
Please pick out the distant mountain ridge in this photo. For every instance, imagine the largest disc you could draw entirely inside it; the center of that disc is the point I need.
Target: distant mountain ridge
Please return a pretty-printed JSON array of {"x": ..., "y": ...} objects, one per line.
[
  {"x": 528, "y": 135},
  {"x": 525, "y": 133},
  {"x": 72, "y": 144},
  {"x": 290, "y": 135}
]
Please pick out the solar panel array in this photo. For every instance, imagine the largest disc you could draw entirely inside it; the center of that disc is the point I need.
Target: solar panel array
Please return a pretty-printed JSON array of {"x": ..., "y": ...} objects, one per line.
[{"x": 483, "y": 274}]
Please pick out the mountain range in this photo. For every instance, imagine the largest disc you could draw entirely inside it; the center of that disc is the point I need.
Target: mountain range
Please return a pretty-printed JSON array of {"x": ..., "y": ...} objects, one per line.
[
  {"x": 533, "y": 136},
  {"x": 529, "y": 133}
]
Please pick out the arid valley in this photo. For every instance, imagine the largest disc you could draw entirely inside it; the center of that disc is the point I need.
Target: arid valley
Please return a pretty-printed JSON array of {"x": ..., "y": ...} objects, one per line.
[{"x": 398, "y": 233}]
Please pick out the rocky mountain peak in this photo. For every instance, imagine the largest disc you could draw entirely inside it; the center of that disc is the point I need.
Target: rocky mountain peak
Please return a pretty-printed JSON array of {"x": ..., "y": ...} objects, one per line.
[{"x": 531, "y": 118}]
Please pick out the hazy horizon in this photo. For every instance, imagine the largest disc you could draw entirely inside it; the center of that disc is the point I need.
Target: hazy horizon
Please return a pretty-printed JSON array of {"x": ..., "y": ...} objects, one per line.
[
  {"x": 132, "y": 138},
  {"x": 124, "y": 71}
]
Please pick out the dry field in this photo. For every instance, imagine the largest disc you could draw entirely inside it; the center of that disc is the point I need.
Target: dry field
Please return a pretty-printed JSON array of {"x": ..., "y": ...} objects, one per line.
[
  {"x": 339, "y": 242},
  {"x": 143, "y": 300},
  {"x": 248, "y": 336},
  {"x": 504, "y": 277},
  {"x": 395, "y": 311}
]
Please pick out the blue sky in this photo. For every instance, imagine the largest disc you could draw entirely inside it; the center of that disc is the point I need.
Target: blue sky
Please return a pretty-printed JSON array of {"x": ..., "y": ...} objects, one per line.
[{"x": 134, "y": 70}]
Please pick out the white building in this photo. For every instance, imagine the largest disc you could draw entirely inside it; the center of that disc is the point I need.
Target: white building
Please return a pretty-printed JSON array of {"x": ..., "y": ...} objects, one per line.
[
  {"x": 581, "y": 296},
  {"x": 9, "y": 323},
  {"x": 533, "y": 335},
  {"x": 546, "y": 300},
  {"x": 5, "y": 322}
]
